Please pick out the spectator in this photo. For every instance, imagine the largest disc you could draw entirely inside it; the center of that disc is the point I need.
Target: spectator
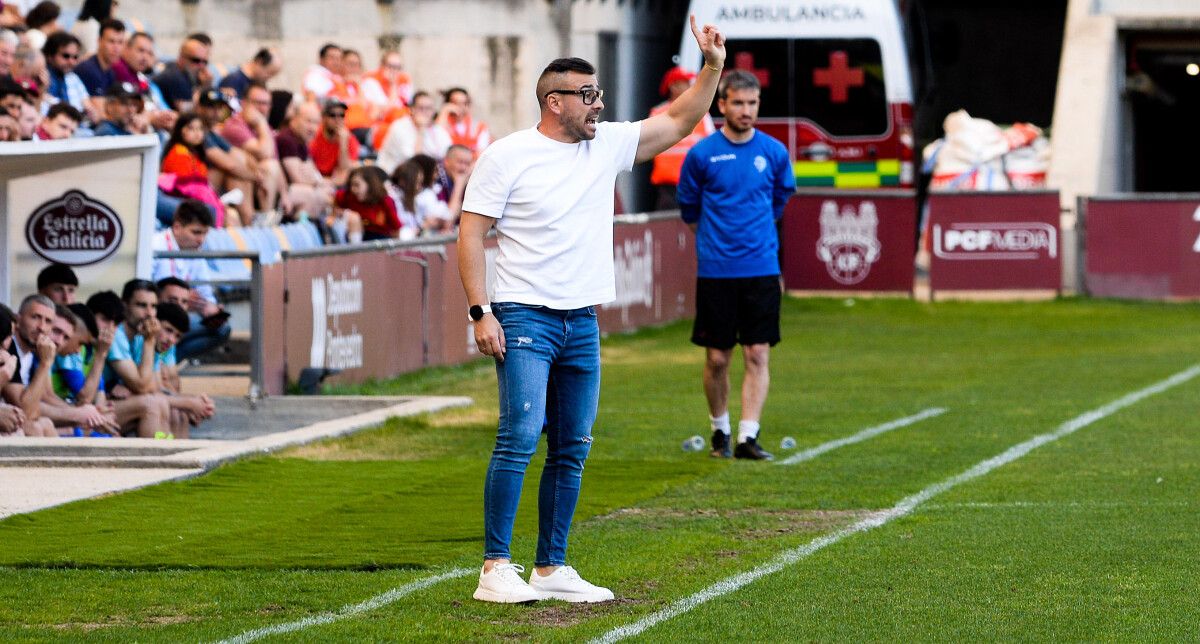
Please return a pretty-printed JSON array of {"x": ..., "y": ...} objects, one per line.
[
  {"x": 366, "y": 199},
  {"x": 414, "y": 134},
  {"x": 124, "y": 112},
  {"x": 462, "y": 128},
  {"x": 34, "y": 350},
  {"x": 249, "y": 131},
  {"x": 91, "y": 16},
  {"x": 209, "y": 322},
  {"x": 137, "y": 59},
  {"x": 452, "y": 175},
  {"x": 97, "y": 71},
  {"x": 42, "y": 20},
  {"x": 360, "y": 113},
  {"x": 60, "y": 122},
  {"x": 184, "y": 168},
  {"x": 28, "y": 121},
  {"x": 59, "y": 283},
  {"x": 406, "y": 181},
  {"x": 665, "y": 173},
  {"x": 8, "y": 48},
  {"x": 107, "y": 308},
  {"x": 325, "y": 77},
  {"x": 231, "y": 170},
  {"x": 180, "y": 80},
  {"x": 334, "y": 149},
  {"x": 186, "y": 410},
  {"x": 11, "y": 98},
  {"x": 265, "y": 65},
  {"x": 12, "y": 417},
  {"x": 62, "y": 53},
  {"x": 433, "y": 213},
  {"x": 78, "y": 375},
  {"x": 388, "y": 91},
  {"x": 29, "y": 71},
  {"x": 74, "y": 387},
  {"x": 130, "y": 371},
  {"x": 307, "y": 189}
]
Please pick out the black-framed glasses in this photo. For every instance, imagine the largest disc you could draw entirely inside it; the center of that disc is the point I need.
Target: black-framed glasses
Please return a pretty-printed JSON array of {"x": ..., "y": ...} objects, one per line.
[{"x": 589, "y": 94}]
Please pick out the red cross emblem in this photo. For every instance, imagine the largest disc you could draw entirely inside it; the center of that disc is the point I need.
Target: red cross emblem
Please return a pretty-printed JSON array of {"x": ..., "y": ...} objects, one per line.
[
  {"x": 744, "y": 61},
  {"x": 839, "y": 77}
]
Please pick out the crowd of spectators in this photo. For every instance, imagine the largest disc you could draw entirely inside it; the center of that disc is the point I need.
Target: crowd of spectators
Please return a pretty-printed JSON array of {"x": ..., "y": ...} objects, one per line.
[
  {"x": 107, "y": 367},
  {"x": 361, "y": 154}
]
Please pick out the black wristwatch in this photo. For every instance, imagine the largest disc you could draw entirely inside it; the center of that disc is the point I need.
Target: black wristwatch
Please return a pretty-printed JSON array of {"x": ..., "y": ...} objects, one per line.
[{"x": 476, "y": 313}]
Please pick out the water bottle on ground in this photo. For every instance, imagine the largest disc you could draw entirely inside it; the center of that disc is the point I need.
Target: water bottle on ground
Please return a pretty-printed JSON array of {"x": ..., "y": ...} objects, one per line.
[
  {"x": 787, "y": 443},
  {"x": 694, "y": 444}
]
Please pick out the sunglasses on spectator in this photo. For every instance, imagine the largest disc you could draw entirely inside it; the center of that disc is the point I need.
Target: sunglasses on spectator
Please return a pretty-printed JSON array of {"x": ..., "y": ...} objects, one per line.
[
  {"x": 63, "y": 54},
  {"x": 336, "y": 115},
  {"x": 589, "y": 94},
  {"x": 198, "y": 61}
]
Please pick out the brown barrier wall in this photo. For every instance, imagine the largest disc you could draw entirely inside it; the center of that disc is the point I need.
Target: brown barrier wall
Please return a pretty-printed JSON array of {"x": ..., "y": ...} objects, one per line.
[
  {"x": 360, "y": 313},
  {"x": 1142, "y": 246},
  {"x": 842, "y": 240},
  {"x": 274, "y": 293},
  {"x": 656, "y": 275},
  {"x": 995, "y": 241}
]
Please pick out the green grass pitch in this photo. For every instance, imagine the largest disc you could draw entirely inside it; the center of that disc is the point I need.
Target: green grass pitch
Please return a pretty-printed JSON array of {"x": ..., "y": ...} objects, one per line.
[{"x": 1092, "y": 537}]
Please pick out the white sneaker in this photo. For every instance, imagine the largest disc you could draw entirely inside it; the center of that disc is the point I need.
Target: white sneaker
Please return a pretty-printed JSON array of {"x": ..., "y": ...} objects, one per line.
[
  {"x": 567, "y": 585},
  {"x": 503, "y": 585}
]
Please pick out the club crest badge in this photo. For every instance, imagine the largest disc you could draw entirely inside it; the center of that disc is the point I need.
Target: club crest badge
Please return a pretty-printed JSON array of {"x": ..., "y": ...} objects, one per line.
[
  {"x": 849, "y": 244},
  {"x": 760, "y": 163}
]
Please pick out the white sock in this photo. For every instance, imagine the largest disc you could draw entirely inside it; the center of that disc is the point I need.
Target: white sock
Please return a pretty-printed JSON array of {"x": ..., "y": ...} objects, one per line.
[
  {"x": 356, "y": 238},
  {"x": 721, "y": 424},
  {"x": 747, "y": 429}
]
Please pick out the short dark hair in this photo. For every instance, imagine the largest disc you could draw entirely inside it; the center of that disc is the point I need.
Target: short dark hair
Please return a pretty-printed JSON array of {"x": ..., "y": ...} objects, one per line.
[
  {"x": 135, "y": 285},
  {"x": 85, "y": 316},
  {"x": 256, "y": 85},
  {"x": 735, "y": 80},
  {"x": 454, "y": 90},
  {"x": 42, "y": 14},
  {"x": 174, "y": 315},
  {"x": 112, "y": 24},
  {"x": 56, "y": 274},
  {"x": 6, "y": 321},
  {"x": 171, "y": 280},
  {"x": 264, "y": 57},
  {"x": 193, "y": 211},
  {"x": 325, "y": 49},
  {"x": 201, "y": 37},
  {"x": 561, "y": 66},
  {"x": 108, "y": 304},
  {"x": 57, "y": 41},
  {"x": 64, "y": 108},
  {"x": 63, "y": 311}
]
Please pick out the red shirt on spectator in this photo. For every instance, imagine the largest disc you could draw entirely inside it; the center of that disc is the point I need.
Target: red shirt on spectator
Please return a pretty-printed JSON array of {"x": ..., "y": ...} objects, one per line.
[
  {"x": 378, "y": 218},
  {"x": 325, "y": 152}
]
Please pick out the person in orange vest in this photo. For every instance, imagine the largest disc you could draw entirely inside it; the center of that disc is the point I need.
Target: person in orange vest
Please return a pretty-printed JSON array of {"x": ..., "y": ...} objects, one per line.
[
  {"x": 389, "y": 90},
  {"x": 456, "y": 118},
  {"x": 665, "y": 173}
]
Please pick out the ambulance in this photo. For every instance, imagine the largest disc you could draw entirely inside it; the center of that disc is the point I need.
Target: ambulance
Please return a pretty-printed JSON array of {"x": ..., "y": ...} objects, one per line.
[{"x": 836, "y": 86}]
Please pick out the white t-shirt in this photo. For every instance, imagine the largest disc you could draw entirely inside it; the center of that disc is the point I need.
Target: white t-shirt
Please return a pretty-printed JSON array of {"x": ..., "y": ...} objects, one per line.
[
  {"x": 554, "y": 206},
  {"x": 400, "y": 144}
]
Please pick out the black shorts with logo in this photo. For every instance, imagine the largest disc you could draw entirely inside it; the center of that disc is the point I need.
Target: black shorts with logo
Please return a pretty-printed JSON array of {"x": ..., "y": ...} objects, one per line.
[{"x": 736, "y": 310}]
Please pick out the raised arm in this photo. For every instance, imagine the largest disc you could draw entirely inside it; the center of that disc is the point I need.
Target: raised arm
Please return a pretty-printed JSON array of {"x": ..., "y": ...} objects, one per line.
[{"x": 663, "y": 130}]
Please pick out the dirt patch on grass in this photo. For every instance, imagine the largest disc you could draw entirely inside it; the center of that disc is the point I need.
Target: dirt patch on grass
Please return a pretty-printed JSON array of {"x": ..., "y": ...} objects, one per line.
[
  {"x": 750, "y": 522},
  {"x": 564, "y": 615},
  {"x": 121, "y": 621}
]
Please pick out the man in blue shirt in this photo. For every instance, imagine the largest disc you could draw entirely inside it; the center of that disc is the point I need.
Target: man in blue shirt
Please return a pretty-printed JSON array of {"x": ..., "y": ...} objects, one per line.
[
  {"x": 732, "y": 190},
  {"x": 97, "y": 72}
]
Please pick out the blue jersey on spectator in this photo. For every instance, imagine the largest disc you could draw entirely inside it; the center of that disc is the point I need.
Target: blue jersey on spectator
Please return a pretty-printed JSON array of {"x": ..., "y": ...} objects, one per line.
[
  {"x": 94, "y": 77},
  {"x": 124, "y": 349},
  {"x": 237, "y": 80},
  {"x": 735, "y": 192},
  {"x": 70, "y": 372}
]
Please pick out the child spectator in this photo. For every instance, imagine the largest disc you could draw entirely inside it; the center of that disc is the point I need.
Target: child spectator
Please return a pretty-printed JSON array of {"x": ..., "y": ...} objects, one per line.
[
  {"x": 184, "y": 168},
  {"x": 367, "y": 201}
]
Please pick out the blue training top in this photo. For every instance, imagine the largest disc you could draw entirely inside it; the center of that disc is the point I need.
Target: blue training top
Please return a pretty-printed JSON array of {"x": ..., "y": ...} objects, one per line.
[{"x": 736, "y": 192}]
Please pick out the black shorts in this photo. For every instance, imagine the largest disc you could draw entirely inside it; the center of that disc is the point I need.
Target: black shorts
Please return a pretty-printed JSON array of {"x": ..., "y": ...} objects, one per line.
[{"x": 739, "y": 310}]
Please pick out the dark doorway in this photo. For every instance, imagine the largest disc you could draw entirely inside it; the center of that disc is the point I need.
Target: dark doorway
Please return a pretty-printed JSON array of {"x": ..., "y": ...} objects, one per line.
[{"x": 1162, "y": 83}]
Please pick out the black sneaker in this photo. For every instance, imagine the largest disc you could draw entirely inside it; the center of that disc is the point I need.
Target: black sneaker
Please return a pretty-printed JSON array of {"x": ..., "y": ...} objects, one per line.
[
  {"x": 751, "y": 450},
  {"x": 720, "y": 445}
]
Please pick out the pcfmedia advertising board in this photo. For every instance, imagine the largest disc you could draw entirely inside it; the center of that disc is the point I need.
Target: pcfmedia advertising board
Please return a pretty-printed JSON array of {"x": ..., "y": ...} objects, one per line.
[
  {"x": 849, "y": 241},
  {"x": 995, "y": 241},
  {"x": 1142, "y": 246}
]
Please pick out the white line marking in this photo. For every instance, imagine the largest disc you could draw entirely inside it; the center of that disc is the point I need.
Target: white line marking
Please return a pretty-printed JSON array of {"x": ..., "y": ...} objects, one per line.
[
  {"x": 904, "y": 507},
  {"x": 869, "y": 432},
  {"x": 349, "y": 610}
]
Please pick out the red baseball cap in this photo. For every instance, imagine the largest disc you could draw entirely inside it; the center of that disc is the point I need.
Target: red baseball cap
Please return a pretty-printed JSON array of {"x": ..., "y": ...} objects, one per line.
[{"x": 674, "y": 74}]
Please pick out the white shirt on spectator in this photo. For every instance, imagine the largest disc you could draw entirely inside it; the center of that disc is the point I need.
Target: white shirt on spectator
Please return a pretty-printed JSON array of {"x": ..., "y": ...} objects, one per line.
[
  {"x": 430, "y": 207},
  {"x": 553, "y": 203},
  {"x": 400, "y": 144},
  {"x": 319, "y": 81},
  {"x": 192, "y": 271}
]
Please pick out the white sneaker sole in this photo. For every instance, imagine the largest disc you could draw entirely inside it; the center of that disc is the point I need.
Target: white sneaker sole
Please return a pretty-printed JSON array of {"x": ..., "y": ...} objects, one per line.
[
  {"x": 576, "y": 598},
  {"x": 485, "y": 595}
]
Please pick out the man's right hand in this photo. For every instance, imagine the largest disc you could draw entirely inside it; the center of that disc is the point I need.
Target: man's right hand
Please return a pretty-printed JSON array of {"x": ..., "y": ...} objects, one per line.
[
  {"x": 104, "y": 342},
  {"x": 149, "y": 330},
  {"x": 45, "y": 349},
  {"x": 12, "y": 419},
  {"x": 489, "y": 337},
  {"x": 8, "y": 366}
]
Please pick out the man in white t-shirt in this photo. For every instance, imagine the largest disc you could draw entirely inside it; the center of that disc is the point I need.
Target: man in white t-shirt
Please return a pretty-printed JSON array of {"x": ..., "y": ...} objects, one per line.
[{"x": 548, "y": 191}]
